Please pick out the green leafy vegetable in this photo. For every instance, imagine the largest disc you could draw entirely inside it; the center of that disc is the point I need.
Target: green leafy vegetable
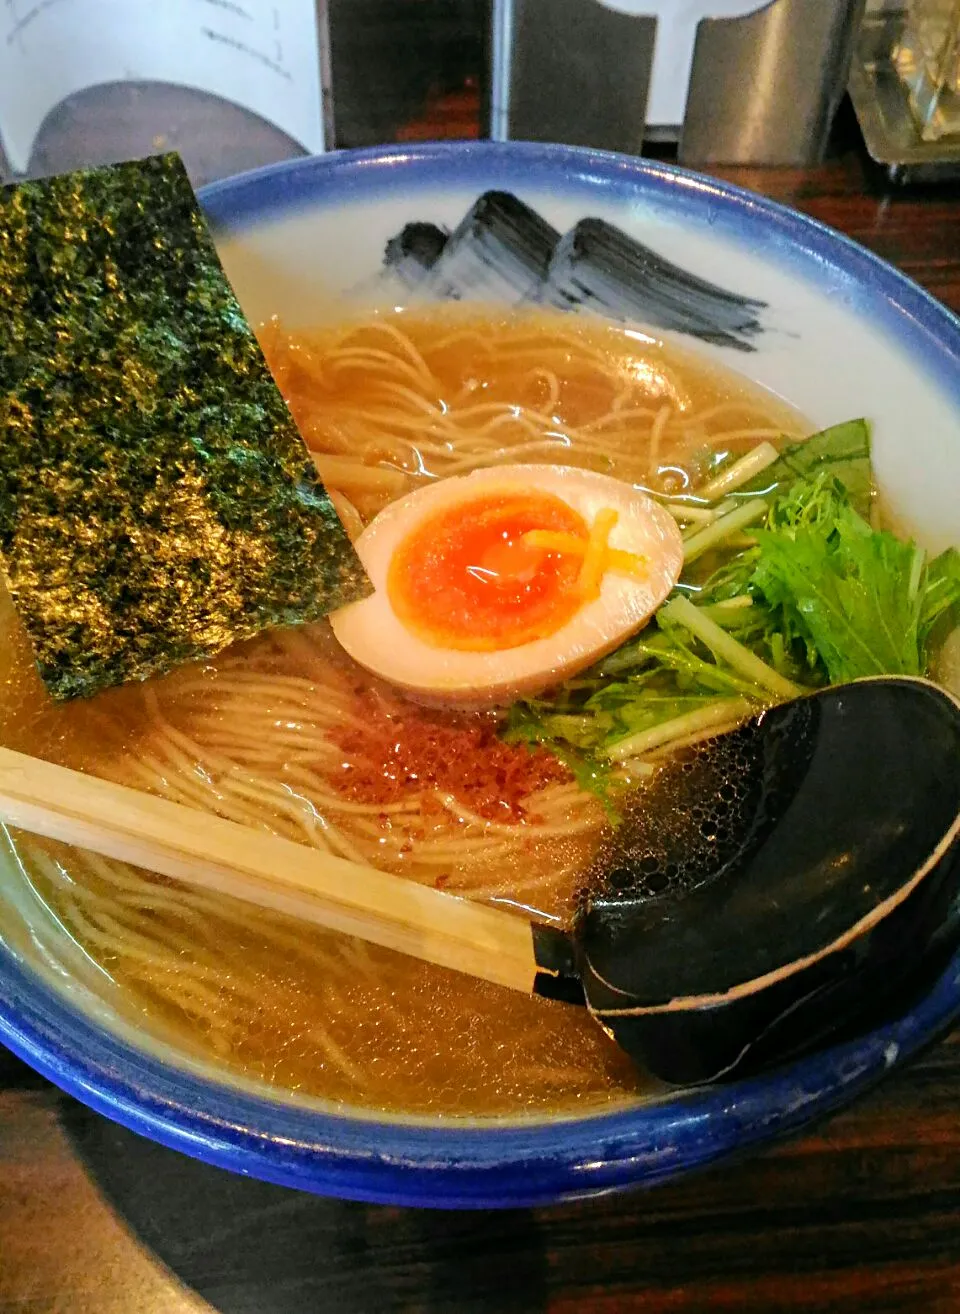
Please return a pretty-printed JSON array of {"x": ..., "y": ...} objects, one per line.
[
  {"x": 709, "y": 715},
  {"x": 818, "y": 596},
  {"x": 713, "y": 535},
  {"x": 726, "y": 649},
  {"x": 858, "y": 595},
  {"x": 664, "y": 677},
  {"x": 843, "y": 451},
  {"x": 941, "y": 598},
  {"x": 534, "y": 724}
]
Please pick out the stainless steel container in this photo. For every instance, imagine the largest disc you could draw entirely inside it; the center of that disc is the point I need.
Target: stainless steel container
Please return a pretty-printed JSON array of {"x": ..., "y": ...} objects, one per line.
[{"x": 763, "y": 86}]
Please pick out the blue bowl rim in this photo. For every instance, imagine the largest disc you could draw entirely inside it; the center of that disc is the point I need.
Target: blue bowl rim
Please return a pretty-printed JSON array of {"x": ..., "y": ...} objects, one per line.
[{"x": 446, "y": 1164}]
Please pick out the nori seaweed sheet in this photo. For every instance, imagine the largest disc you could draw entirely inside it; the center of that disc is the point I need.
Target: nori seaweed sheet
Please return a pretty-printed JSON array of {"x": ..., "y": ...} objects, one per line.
[{"x": 156, "y": 500}]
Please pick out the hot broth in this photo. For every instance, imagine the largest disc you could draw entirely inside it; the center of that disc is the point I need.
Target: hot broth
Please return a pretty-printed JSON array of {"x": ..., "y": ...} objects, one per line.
[{"x": 286, "y": 733}]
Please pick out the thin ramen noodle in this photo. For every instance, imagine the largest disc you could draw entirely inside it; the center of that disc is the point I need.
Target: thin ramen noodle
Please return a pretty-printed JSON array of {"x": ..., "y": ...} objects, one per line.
[{"x": 285, "y": 733}]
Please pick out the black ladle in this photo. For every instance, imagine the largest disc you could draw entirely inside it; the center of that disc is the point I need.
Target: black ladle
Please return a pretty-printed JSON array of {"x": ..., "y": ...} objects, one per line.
[
  {"x": 772, "y": 888},
  {"x": 807, "y": 873}
]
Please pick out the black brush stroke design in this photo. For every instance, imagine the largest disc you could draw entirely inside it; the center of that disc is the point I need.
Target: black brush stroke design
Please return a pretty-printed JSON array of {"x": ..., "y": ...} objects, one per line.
[
  {"x": 599, "y": 267},
  {"x": 414, "y": 251},
  {"x": 503, "y": 249}
]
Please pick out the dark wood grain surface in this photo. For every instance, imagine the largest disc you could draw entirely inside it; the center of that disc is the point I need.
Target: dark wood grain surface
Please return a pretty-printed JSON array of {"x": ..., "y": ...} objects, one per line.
[{"x": 862, "y": 1214}]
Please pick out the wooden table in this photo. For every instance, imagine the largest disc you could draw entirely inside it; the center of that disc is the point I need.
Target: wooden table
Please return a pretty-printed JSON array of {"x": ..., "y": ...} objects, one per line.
[{"x": 862, "y": 1214}]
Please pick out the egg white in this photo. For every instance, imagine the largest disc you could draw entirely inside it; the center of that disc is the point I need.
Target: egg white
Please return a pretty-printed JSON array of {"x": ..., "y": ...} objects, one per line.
[{"x": 377, "y": 639}]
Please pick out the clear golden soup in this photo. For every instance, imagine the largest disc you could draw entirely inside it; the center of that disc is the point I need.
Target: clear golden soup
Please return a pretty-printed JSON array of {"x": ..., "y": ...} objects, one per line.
[{"x": 286, "y": 733}]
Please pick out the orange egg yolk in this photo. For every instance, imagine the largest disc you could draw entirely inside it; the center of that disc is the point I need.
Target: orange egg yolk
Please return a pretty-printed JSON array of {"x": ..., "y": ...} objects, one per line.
[{"x": 470, "y": 578}]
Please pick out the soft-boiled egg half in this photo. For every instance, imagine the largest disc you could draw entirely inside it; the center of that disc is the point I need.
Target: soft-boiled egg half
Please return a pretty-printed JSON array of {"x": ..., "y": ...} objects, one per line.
[{"x": 497, "y": 584}]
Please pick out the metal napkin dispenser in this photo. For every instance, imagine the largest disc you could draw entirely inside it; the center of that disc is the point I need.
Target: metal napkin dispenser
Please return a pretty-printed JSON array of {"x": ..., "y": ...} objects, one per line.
[{"x": 732, "y": 81}]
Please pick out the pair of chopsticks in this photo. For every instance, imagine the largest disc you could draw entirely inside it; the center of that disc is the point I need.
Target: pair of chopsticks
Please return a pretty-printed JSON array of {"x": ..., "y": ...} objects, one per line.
[{"x": 277, "y": 874}]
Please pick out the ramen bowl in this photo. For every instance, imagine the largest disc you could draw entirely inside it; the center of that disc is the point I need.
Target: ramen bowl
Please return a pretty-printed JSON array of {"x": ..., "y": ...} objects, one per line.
[{"x": 793, "y": 306}]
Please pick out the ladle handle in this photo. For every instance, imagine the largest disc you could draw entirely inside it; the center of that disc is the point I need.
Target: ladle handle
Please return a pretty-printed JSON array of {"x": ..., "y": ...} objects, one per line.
[{"x": 274, "y": 873}]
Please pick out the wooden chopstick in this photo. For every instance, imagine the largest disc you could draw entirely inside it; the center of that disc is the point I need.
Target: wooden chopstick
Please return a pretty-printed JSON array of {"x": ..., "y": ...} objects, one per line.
[{"x": 274, "y": 873}]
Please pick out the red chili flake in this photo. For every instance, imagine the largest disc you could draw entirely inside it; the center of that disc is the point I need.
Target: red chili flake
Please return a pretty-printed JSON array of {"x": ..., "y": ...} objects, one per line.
[{"x": 405, "y": 749}]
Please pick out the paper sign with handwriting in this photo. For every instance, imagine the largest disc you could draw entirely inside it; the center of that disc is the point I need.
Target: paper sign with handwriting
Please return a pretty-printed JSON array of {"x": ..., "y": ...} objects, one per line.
[{"x": 259, "y": 54}]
